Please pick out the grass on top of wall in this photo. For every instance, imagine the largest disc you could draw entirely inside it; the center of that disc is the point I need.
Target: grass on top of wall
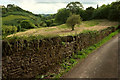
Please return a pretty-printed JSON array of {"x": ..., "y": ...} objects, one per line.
[{"x": 70, "y": 62}]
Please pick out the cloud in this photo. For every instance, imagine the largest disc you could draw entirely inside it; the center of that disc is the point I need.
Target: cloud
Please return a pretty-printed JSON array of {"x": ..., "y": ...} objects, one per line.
[
  {"x": 51, "y": 6},
  {"x": 37, "y": 8}
]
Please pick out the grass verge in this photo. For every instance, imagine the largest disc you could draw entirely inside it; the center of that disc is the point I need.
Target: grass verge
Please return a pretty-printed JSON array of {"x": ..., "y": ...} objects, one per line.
[
  {"x": 91, "y": 23},
  {"x": 84, "y": 53},
  {"x": 70, "y": 62}
]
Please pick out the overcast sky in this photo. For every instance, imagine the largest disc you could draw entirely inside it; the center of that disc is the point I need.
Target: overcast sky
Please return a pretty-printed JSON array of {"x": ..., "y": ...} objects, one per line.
[{"x": 51, "y": 6}]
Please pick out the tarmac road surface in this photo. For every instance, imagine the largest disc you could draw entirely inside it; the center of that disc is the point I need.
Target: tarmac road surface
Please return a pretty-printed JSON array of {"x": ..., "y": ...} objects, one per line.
[{"x": 102, "y": 63}]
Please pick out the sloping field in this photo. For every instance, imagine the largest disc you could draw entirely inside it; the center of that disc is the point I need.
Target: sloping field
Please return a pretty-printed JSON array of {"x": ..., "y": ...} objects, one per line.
[
  {"x": 63, "y": 30},
  {"x": 14, "y": 18}
]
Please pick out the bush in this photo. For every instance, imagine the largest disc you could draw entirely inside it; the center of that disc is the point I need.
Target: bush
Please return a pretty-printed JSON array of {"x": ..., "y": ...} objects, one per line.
[
  {"x": 43, "y": 24},
  {"x": 89, "y": 11},
  {"x": 6, "y": 30},
  {"x": 48, "y": 22},
  {"x": 73, "y": 20},
  {"x": 102, "y": 12},
  {"x": 114, "y": 15},
  {"x": 19, "y": 28},
  {"x": 62, "y": 15},
  {"x": 110, "y": 11},
  {"x": 82, "y": 13},
  {"x": 27, "y": 24},
  {"x": 54, "y": 24}
]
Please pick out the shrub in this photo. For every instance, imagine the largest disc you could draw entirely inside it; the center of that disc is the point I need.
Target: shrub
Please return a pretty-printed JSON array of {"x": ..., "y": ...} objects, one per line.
[
  {"x": 113, "y": 15},
  {"x": 19, "y": 28},
  {"x": 82, "y": 13},
  {"x": 27, "y": 24},
  {"x": 89, "y": 11},
  {"x": 73, "y": 20},
  {"x": 102, "y": 12},
  {"x": 54, "y": 24},
  {"x": 48, "y": 22},
  {"x": 62, "y": 15},
  {"x": 43, "y": 24},
  {"x": 6, "y": 30}
]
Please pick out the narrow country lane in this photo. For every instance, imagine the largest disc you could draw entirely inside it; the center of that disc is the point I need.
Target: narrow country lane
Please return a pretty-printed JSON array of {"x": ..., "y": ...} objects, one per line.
[{"x": 102, "y": 63}]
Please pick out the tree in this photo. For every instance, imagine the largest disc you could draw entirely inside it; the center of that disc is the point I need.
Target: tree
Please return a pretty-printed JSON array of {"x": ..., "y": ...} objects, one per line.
[
  {"x": 89, "y": 11},
  {"x": 114, "y": 15},
  {"x": 6, "y": 30},
  {"x": 18, "y": 28},
  {"x": 27, "y": 24},
  {"x": 102, "y": 12},
  {"x": 73, "y": 20},
  {"x": 43, "y": 24},
  {"x": 10, "y": 5},
  {"x": 62, "y": 15},
  {"x": 48, "y": 22},
  {"x": 97, "y": 6},
  {"x": 73, "y": 6}
]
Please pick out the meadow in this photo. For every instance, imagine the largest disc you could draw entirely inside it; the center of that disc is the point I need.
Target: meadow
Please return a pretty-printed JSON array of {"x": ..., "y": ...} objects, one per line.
[{"x": 64, "y": 30}]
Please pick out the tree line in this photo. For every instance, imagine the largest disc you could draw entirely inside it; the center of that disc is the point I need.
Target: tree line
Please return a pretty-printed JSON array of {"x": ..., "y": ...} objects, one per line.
[
  {"x": 109, "y": 11},
  {"x": 74, "y": 11},
  {"x": 72, "y": 14}
]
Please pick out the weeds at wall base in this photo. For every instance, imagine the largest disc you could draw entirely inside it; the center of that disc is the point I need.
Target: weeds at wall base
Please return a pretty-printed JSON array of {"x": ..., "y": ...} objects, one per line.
[
  {"x": 48, "y": 53},
  {"x": 69, "y": 63}
]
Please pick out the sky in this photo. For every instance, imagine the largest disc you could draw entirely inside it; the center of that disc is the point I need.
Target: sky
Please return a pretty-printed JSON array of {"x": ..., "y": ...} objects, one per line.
[{"x": 51, "y": 6}]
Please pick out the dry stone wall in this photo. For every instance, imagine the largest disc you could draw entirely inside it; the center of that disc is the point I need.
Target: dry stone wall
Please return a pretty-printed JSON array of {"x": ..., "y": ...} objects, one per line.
[{"x": 27, "y": 59}]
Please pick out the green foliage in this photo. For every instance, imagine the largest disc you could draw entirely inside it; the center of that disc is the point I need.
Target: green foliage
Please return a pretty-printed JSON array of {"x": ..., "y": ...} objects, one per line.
[
  {"x": 27, "y": 24},
  {"x": 8, "y": 29},
  {"x": 63, "y": 26},
  {"x": 43, "y": 24},
  {"x": 51, "y": 29},
  {"x": 40, "y": 77},
  {"x": 54, "y": 24},
  {"x": 84, "y": 52},
  {"x": 114, "y": 15},
  {"x": 72, "y": 61},
  {"x": 73, "y": 20},
  {"x": 68, "y": 64},
  {"x": 48, "y": 19},
  {"x": 102, "y": 12},
  {"x": 77, "y": 57},
  {"x": 49, "y": 22},
  {"x": 85, "y": 14},
  {"x": 82, "y": 13},
  {"x": 110, "y": 11},
  {"x": 62, "y": 15},
  {"x": 19, "y": 28},
  {"x": 73, "y": 6},
  {"x": 89, "y": 11},
  {"x": 13, "y": 8},
  {"x": 12, "y": 19},
  {"x": 15, "y": 19},
  {"x": 63, "y": 43},
  {"x": 91, "y": 23},
  {"x": 13, "y": 15}
]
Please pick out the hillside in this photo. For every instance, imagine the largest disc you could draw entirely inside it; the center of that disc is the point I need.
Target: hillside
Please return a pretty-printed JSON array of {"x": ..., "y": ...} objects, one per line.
[
  {"x": 12, "y": 15},
  {"x": 16, "y": 19}
]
